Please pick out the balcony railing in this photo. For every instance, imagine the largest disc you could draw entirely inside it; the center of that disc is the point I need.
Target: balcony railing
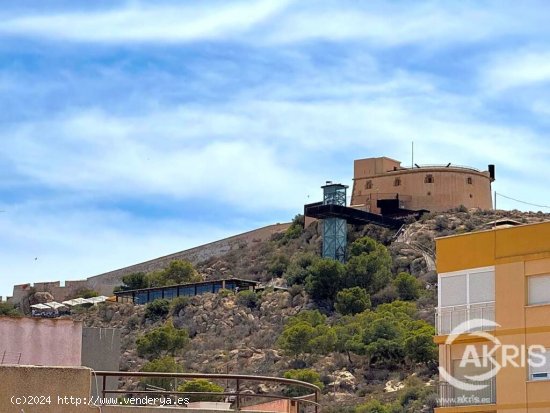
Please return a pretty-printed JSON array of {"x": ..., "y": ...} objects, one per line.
[
  {"x": 449, "y": 396},
  {"x": 447, "y": 319}
]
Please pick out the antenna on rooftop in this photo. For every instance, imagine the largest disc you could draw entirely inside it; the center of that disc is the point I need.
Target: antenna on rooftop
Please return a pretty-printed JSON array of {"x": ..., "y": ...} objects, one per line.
[{"x": 412, "y": 154}]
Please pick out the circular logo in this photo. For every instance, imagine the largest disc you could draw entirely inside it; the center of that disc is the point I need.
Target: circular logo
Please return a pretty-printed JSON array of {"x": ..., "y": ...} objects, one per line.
[{"x": 473, "y": 328}]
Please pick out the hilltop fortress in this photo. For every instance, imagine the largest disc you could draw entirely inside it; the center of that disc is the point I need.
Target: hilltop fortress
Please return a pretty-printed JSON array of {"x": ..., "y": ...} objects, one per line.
[
  {"x": 379, "y": 181},
  {"x": 381, "y": 187}
]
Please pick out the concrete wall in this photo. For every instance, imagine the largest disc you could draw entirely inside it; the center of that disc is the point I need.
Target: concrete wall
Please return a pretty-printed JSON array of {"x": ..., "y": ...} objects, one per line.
[
  {"x": 19, "y": 382},
  {"x": 101, "y": 351},
  {"x": 104, "y": 283},
  {"x": 284, "y": 406},
  {"x": 376, "y": 178},
  {"x": 41, "y": 341}
]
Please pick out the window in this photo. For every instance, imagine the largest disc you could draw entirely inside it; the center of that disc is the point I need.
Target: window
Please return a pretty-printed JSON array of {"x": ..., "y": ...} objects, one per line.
[
  {"x": 397, "y": 182},
  {"x": 465, "y": 296},
  {"x": 153, "y": 295},
  {"x": 482, "y": 287},
  {"x": 187, "y": 291},
  {"x": 539, "y": 289},
  {"x": 469, "y": 181},
  {"x": 171, "y": 293},
  {"x": 539, "y": 365},
  {"x": 453, "y": 290},
  {"x": 468, "y": 288},
  {"x": 429, "y": 179},
  {"x": 368, "y": 185},
  {"x": 204, "y": 288},
  {"x": 141, "y": 298}
]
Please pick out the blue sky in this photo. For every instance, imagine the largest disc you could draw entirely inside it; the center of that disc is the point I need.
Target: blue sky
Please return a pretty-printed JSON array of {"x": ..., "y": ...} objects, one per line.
[{"x": 135, "y": 129}]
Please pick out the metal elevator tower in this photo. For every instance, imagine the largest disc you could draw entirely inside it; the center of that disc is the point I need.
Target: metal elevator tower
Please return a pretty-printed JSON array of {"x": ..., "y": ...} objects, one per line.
[{"x": 334, "y": 229}]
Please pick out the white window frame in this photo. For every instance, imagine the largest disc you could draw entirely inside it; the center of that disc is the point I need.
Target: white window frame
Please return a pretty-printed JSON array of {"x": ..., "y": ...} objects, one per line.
[
  {"x": 530, "y": 369},
  {"x": 529, "y": 277},
  {"x": 458, "y": 273}
]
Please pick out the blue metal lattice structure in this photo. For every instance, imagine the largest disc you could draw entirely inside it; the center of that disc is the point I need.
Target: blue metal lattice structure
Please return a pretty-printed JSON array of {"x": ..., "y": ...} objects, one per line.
[{"x": 334, "y": 229}]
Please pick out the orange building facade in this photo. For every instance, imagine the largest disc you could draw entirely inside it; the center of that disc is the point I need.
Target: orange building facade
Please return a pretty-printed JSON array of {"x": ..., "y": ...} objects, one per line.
[
  {"x": 435, "y": 188},
  {"x": 493, "y": 320}
]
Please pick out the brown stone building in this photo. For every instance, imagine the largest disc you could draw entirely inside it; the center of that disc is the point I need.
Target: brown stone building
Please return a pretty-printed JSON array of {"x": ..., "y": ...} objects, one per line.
[{"x": 431, "y": 187}]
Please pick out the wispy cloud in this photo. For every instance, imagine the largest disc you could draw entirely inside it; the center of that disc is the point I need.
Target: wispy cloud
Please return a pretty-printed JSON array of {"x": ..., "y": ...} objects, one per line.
[
  {"x": 516, "y": 68},
  {"x": 142, "y": 22},
  {"x": 131, "y": 130}
]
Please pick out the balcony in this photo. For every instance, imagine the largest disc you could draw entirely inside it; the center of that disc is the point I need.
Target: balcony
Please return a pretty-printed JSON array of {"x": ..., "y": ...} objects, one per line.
[
  {"x": 449, "y": 318},
  {"x": 450, "y": 396}
]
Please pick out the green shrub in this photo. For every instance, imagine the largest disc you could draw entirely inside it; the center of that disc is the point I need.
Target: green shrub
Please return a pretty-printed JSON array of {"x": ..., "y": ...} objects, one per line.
[
  {"x": 299, "y": 267},
  {"x": 202, "y": 385},
  {"x": 325, "y": 278},
  {"x": 165, "y": 364},
  {"x": 372, "y": 406},
  {"x": 86, "y": 293},
  {"x": 369, "y": 265},
  {"x": 408, "y": 287},
  {"x": 178, "y": 304},
  {"x": 179, "y": 272},
  {"x": 307, "y": 375},
  {"x": 307, "y": 332},
  {"x": 352, "y": 301},
  {"x": 247, "y": 298},
  {"x": 134, "y": 281},
  {"x": 157, "y": 309},
  {"x": 278, "y": 265},
  {"x": 419, "y": 346},
  {"x": 166, "y": 338},
  {"x": 386, "y": 295},
  {"x": 9, "y": 310},
  {"x": 295, "y": 229},
  {"x": 224, "y": 292}
]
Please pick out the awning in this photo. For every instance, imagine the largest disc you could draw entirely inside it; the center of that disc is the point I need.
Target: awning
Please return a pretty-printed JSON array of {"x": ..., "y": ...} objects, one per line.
[
  {"x": 41, "y": 307},
  {"x": 76, "y": 301},
  {"x": 55, "y": 305},
  {"x": 98, "y": 299}
]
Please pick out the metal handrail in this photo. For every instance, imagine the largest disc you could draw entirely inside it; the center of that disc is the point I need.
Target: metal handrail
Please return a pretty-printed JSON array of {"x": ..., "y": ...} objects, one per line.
[
  {"x": 442, "y": 166},
  {"x": 449, "y": 396},
  {"x": 485, "y": 310},
  {"x": 238, "y": 394}
]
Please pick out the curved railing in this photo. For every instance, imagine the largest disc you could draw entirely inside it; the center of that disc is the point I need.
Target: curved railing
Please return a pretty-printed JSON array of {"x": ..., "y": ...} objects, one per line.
[
  {"x": 441, "y": 166},
  {"x": 239, "y": 395}
]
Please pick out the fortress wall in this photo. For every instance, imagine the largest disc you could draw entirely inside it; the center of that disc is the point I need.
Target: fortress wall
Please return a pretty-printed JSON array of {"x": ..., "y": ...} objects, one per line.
[
  {"x": 104, "y": 283},
  {"x": 60, "y": 293}
]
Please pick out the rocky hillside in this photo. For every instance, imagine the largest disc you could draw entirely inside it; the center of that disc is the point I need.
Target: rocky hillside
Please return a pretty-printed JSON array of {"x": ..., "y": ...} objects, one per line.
[{"x": 228, "y": 334}]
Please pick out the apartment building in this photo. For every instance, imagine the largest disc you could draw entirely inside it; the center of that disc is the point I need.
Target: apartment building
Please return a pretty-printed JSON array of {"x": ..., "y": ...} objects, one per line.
[{"x": 493, "y": 320}]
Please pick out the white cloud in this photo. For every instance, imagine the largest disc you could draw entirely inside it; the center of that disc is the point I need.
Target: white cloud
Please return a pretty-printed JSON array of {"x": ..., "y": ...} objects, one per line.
[
  {"x": 283, "y": 21},
  {"x": 515, "y": 69},
  {"x": 138, "y": 22},
  {"x": 157, "y": 155}
]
